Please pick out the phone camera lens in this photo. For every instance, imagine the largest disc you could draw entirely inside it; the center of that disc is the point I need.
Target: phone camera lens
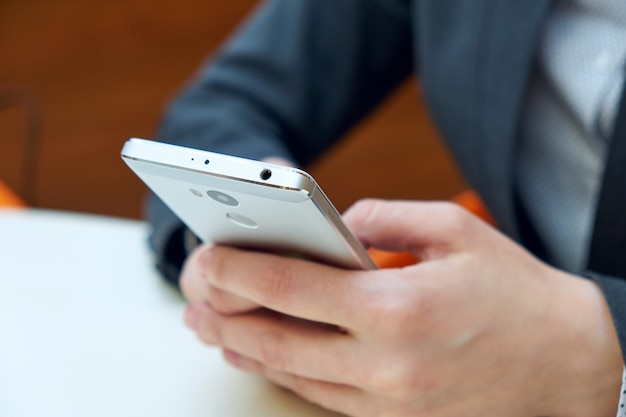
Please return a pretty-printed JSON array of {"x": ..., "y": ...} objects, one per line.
[
  {"x": 223, "y": 198},
  {"x": 266, "y": 174}
]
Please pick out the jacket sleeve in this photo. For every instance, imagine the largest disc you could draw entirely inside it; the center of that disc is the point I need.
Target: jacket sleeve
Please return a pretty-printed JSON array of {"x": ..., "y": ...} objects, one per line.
[
  {"x": 614, "y": 289},
  {"x": 293, "y": 80}
]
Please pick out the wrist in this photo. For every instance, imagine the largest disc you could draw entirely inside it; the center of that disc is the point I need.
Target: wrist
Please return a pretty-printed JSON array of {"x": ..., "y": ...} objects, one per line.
[{"x": 588, "y": 362}]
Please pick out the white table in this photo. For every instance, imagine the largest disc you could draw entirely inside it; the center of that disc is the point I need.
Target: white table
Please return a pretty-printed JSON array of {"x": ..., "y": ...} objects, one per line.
[{"x": 88, "y": 329}]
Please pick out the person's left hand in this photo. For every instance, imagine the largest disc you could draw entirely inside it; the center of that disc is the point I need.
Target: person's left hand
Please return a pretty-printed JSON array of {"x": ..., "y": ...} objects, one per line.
[{"x": 478, "y": 327}]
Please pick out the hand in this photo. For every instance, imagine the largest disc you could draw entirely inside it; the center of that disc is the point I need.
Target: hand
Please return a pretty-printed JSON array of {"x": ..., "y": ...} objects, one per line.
[{"x": 478, "y": 327}]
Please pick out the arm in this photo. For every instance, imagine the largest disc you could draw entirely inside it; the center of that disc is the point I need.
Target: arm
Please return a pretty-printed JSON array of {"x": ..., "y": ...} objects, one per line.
[{"x": 289, "y": 84}]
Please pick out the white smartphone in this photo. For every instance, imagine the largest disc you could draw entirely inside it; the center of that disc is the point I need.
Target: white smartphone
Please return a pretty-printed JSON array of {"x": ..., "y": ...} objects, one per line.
[{"x": 249, "y": 204}]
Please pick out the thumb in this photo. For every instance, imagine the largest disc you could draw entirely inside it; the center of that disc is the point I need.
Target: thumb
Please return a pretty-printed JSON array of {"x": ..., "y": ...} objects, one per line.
[{"x": 425, "y": 229}]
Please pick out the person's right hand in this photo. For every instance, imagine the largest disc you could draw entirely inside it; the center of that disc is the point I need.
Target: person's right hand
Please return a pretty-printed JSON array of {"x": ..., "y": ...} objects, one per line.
[{"x": 479, "y": 327}]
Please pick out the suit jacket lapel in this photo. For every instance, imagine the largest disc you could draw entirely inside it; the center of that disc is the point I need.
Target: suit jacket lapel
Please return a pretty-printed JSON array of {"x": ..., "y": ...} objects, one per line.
[
  {"x": 608, "y": 245},
  {"x": 512, "y": 35}
]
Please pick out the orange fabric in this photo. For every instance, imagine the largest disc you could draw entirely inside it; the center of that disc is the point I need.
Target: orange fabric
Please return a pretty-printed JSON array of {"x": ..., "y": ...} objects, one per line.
[
  {"x": 8, "y": 198},
  {"x": 468, "y": 199}
]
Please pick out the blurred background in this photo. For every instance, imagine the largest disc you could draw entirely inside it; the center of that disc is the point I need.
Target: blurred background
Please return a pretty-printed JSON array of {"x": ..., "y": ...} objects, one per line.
[{"x": 80, "y": 77}]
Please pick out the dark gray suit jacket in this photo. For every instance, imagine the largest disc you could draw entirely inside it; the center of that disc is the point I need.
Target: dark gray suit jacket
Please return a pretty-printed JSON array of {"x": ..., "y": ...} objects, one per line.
[{"x": 302, "y": 72}]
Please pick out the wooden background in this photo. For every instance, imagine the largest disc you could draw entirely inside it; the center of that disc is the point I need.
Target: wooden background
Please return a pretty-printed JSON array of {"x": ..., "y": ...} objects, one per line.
[{"x": 100, "y": 72}]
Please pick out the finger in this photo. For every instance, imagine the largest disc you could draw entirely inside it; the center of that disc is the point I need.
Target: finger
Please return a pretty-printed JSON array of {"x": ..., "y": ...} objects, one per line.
[
  {"x": 340, "y": 398},
  {"x": 192, "y": 284},
  {"x": 294, "y": 287},
  {"x": 227, "y": 303},
  {"x": 197, "y": 289},
  {"x": 426, "y": 229},
  {"x": 282, "y": 343},
  {"x": 345, "y": 399}
]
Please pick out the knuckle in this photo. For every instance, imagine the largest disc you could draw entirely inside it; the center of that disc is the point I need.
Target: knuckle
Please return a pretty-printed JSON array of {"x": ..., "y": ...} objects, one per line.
[
  {"x": 274, "y": 351},
  {"x": 275, "y": 283},
  {"x": 455, "y": 219},
  {"x": 423, "y": 304},
  {"x": 394, "y": 378},
  {"x": 367, "y": 204},
  {"x": 403, "y": 386},
  {"x": 409, "y": 310},
  {"x": 219, "y": 300},
  {"x": 362, "y": 213},
  {"x": 390, "y": 314}
]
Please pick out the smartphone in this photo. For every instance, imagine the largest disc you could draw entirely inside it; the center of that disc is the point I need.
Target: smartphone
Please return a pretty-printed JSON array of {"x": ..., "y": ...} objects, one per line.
[{"x": 227, "y": 200}]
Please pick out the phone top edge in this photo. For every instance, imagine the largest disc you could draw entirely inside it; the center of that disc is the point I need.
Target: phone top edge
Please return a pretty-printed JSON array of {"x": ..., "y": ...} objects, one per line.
[{"x": 218, "y": 165}]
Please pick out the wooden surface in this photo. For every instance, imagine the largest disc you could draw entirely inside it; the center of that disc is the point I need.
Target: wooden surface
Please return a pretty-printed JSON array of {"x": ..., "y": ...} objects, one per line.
[{"x": 101, "y": 72}]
